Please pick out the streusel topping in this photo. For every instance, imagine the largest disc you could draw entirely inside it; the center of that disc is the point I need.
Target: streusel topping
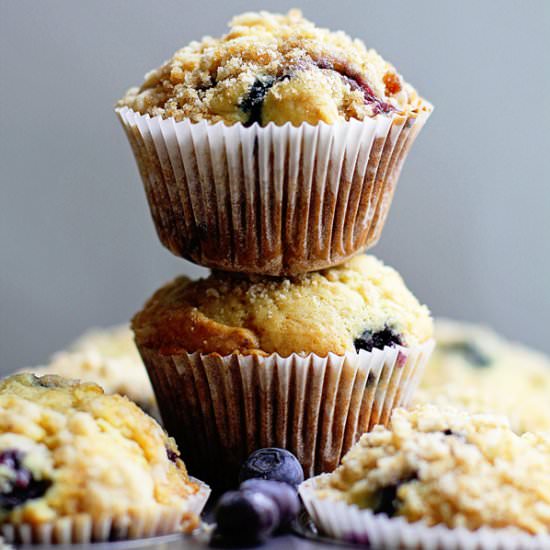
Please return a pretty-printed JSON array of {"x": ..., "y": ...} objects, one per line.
[
  {"x": 273, "y": 68},
  {"x": 445, "y": 466}
]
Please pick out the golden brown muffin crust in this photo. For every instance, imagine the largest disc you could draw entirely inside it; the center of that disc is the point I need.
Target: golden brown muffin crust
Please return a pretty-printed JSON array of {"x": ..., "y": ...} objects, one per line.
[{"x": 319, "y": 313}]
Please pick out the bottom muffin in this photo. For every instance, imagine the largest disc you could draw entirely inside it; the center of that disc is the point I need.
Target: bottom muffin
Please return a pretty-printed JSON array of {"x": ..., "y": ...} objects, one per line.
[
  {"x": 445, "y": 467},
  {"x": 474, "y": 368},
  {"x": 77, "y": 465},
  {"x": 307, "y": 363}
]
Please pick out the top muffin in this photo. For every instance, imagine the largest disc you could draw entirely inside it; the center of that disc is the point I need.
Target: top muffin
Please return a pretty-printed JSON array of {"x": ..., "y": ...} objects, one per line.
[
  {"x": 273, "y": 68},
  {"x": 359, "y": 305}
]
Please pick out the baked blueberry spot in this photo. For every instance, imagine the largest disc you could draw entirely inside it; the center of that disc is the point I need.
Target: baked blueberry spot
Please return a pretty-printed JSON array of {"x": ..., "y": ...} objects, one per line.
[
  {"x": 385, "y": 337},
  {"x": 21, "y": 485},
  {"x": 172, "y": 455},
  {"x": 253, "y": 103},
  {"x": 356, "y": 81},
  {"x": 469, "y": 351},
  {"x": 386, "y": 499},
  {"x": 450, "y": 433}
]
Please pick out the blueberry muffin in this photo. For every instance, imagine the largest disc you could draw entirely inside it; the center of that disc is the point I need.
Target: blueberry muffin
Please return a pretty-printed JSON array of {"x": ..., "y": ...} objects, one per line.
[
  {"x": 108, "y": 357},
  {"x": 359, "y": 305},
  {"x": 68, "y": 453},
  {"x": 273, "y": 150},
  {"x": 448, "y": 467},
  {"x": 476, "y": 369},
  {"x": 273, "y": 68},
  {"x": 307, "y": 363}
]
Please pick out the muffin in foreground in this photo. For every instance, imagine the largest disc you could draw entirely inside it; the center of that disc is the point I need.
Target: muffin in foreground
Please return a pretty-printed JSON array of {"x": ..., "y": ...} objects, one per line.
[
  {"x": 471, "y": 475},
  {"x": 474, "y": 368},
  {"x": 308, "y": 364},
  {"x": 79, "y": 466},
  {"x": 109, "y": 358},
  {"x": 250, "y": 130}
]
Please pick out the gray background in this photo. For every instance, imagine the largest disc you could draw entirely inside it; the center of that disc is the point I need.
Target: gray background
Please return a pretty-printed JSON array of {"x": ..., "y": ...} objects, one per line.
[{"x": 469, "y": 228}]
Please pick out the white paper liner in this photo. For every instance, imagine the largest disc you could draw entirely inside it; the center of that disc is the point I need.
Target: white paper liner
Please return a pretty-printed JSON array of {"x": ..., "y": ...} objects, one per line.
[
  {"x": 349, "y": 523},
  {"x": 272, "y": 200},
  {"x": 83, "y": 528},
  {"x": 220, "y": 409}
]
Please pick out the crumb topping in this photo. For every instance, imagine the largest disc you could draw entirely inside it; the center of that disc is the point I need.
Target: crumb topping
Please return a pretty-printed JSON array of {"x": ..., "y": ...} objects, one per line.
[
  {"x": 445, "y": 466},
  {"x": 273, "y": 68}
]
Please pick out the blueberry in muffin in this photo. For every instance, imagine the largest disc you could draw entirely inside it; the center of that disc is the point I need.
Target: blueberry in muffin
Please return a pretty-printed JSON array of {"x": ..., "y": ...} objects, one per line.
[{"x": 18, "y": 483}]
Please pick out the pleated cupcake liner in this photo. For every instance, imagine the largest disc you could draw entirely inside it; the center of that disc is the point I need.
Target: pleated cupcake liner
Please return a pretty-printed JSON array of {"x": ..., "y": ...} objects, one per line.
[
  {"x": 274, "y": 200},
  {"x": 85, "y": 528},
  {"x": 349, "y": 523},
  {"x": 220, "y": 409}
]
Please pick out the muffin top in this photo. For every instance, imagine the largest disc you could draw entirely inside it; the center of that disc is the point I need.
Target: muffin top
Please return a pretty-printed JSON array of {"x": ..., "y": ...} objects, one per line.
[
  {"x": 474, "y": 368},
  {"x": 66, "y": 448},
  {"x": 108, "y": 357},
  {"x": 273, "y": 68},
  {"x": 445, "y": 466},
  {"x": 361, "y": 304}
]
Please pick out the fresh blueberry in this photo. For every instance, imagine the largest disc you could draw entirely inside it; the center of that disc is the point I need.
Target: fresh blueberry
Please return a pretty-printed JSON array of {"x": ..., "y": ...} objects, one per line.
[
  {"x": 246, "y": 517},
  {"x": 379, "y": 340},
  {"x": 281, "y": 493},
  {"x": 273, "y": 464},
  {"x": 21, "y": 486},
  {"x": 471, "y": 353}
]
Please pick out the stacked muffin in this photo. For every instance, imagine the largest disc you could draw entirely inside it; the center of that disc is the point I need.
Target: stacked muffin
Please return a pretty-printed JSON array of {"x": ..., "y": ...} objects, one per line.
[{"x": 271, "y": 155}]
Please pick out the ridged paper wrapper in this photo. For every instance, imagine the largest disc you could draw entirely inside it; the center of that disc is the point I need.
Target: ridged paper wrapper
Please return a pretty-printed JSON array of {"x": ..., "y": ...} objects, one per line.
[
  {"x": 273, "y": 200},
  {"x": 221, "y": 408},
  {"x": 349, "y": 523},
  {"x": 85, "y": 528}
]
